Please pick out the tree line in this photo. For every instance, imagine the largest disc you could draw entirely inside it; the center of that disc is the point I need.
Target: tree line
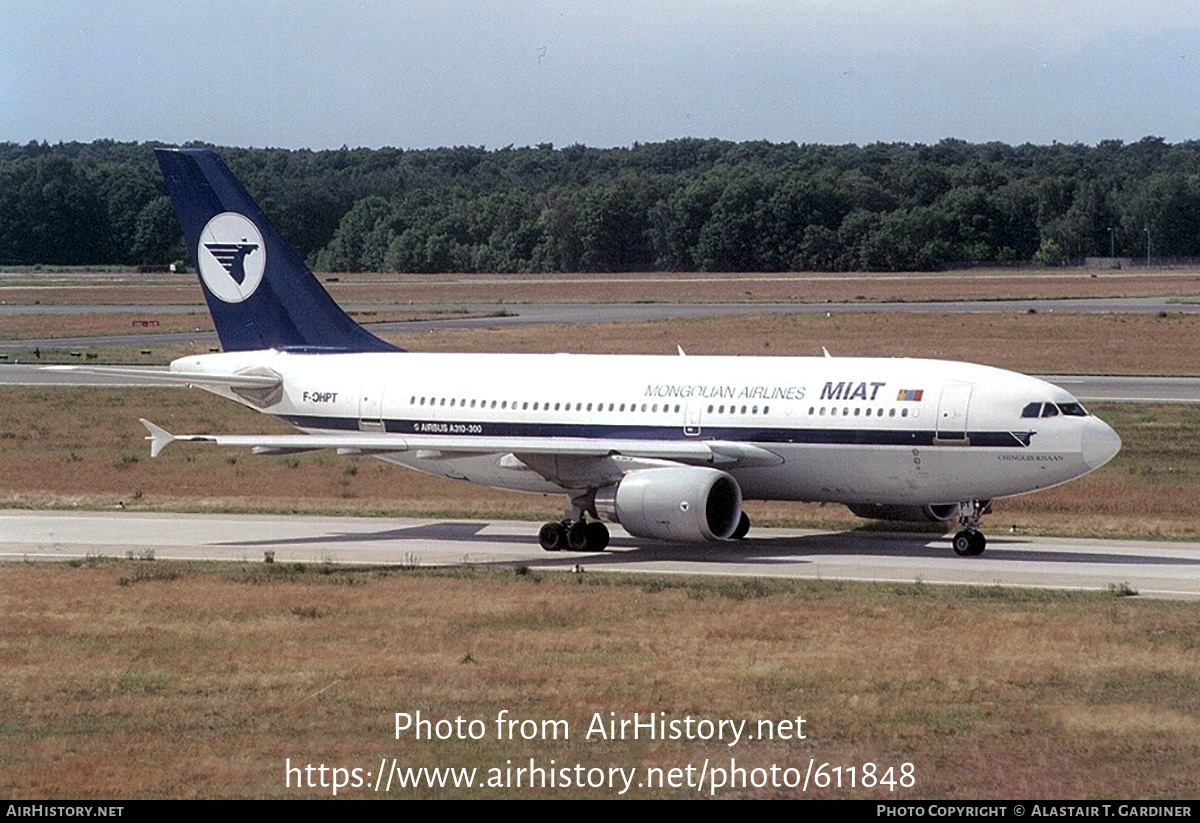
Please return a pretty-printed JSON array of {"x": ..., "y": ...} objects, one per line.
[{"x": 688, "y": 204}]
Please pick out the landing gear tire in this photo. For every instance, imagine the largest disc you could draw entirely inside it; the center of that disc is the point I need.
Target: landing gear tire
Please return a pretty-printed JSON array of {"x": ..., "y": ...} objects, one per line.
[
  {"x": 969, "y": 543},
  {"x": 577, "y": 537},
  {"x": 552, "y": 537},
  {"x": 597, "y": 536},
  {"x": 743, "y": 528}
]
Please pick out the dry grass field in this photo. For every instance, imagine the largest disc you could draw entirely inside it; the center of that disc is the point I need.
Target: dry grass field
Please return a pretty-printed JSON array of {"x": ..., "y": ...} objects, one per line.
[
  {"x": 1046, "y": 342},
  {"x": 667, "y": 287},
  {"x": 1037, "y": 343},
  {"x": 32, "y": 327},
  {"x": 673, "y": 287},
  {"x": 127, "y": 679}
]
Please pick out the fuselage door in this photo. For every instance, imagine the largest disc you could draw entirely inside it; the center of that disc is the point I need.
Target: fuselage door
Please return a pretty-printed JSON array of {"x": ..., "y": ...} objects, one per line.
[
  {"x": 691, "y": 416},
  {"x": 370, "y": 408},
  {"x": 953, "y": 406}
]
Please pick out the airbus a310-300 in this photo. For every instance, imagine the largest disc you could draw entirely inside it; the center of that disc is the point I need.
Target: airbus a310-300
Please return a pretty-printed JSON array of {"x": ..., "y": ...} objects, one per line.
[{"x": 666, "y": 446}]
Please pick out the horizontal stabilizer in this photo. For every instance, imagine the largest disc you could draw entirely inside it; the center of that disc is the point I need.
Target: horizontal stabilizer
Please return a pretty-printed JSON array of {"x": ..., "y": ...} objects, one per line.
[
  {"x": 159, "y": 438},
  {"x": 239, "y": 381}
]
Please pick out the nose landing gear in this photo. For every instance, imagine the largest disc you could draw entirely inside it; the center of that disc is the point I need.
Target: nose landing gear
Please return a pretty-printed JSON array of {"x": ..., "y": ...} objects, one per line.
[{"x": 970, "y": 542}]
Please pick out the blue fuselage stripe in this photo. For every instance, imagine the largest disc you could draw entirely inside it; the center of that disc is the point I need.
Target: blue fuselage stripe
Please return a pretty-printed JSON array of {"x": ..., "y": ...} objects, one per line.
[{"x": 594, "y": 431}]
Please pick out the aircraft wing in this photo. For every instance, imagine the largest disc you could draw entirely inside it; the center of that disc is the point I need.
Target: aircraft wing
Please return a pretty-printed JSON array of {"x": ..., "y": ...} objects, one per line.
[{"x": 721, "y": 453}]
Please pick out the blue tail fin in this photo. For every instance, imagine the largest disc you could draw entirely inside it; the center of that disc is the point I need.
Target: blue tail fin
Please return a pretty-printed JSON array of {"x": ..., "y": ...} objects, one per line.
[{"x": 260, "y": 293}]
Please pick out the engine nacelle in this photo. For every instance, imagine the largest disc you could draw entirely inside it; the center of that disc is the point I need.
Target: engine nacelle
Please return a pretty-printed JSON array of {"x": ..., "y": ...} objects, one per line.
[
  {"x": 674, "y": 503},
  {"x": 930, "y": 512}
]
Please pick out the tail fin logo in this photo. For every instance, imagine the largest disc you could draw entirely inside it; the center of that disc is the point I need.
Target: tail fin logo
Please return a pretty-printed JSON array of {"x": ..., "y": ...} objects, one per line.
[{"x": 232, "y": 257}]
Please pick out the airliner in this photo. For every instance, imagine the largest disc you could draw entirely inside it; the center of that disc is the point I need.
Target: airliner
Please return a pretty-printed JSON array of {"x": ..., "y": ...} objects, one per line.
[{"x": 666, "y": 446}]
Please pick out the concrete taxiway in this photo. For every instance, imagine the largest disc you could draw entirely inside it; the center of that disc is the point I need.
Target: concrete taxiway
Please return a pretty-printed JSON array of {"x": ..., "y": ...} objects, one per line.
[{"x": 1153, "y": 569}]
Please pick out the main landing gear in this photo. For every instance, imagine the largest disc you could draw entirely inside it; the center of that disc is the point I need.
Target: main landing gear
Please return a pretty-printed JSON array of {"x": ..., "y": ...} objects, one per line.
[
  {"x": 743, "y": 528},
  {"x": 579, "y": 536},
  {"x": 970, "y": 542},
  {"x": 574, "y": 533}
]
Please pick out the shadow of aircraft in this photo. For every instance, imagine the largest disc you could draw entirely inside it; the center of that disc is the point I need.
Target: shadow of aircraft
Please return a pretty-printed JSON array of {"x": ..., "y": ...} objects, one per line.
[{"x": 764, "y": 551}]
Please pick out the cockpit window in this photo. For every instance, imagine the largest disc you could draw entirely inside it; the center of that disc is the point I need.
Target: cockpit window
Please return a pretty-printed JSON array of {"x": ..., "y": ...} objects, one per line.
[{"x": 1053, "y": 410}]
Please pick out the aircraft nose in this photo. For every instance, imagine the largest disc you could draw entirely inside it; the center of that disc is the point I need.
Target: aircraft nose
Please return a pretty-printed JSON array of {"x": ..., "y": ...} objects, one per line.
[{"x": 1100, "y": 443}]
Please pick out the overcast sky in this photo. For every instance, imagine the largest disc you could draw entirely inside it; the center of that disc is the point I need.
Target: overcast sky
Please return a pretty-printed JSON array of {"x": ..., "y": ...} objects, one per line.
[{"x": 322, "y": 74}]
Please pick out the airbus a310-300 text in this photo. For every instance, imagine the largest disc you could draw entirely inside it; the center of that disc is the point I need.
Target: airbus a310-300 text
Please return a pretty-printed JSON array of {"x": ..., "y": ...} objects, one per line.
[{"x": 666, "y": 446}]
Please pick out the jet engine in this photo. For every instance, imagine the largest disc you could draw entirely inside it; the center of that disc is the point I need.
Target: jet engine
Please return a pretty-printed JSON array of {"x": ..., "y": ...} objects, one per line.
[
  {"x": 930, "y": 512},
  {"x": 679, "y": 503}
]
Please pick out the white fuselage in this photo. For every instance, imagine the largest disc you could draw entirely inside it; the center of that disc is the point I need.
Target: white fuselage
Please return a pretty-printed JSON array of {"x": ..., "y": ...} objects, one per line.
[{"x": 852, "y": 430}]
